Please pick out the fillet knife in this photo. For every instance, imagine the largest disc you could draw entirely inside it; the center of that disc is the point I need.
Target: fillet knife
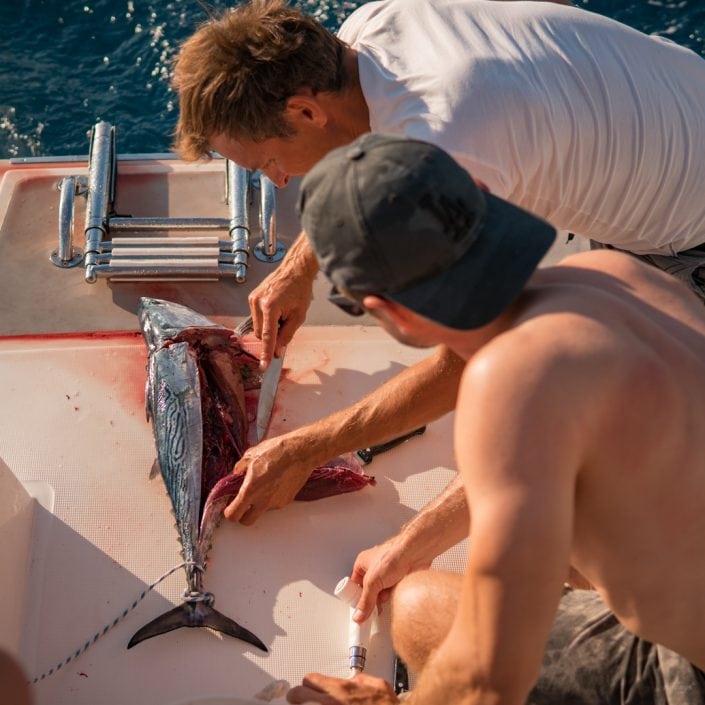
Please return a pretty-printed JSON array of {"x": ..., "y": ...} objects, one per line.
[
  {"x": 366, "y": 454},
  {"x": 267, "y": 392}
]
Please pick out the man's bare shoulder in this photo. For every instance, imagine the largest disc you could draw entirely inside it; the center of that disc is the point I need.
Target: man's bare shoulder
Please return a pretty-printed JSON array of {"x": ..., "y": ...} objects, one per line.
[
  {"x": 553, "y": 361},
  {"x": 630, "y": 273},
  {"x": 536, "y": 393},
  {"x": 590, "y": 323},
  {"x": 596, "y": 329},
  {"x": 605, "y": 260},
  {"x": 624, "y": 292}
]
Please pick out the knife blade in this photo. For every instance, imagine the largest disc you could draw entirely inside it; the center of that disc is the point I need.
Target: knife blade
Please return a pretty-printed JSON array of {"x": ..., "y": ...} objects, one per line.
[
  {"x": 267, "y": 393},
  {"x": 365, "y": 455}
]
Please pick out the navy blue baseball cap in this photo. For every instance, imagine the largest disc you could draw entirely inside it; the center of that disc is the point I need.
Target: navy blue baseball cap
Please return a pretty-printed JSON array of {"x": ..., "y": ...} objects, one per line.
[{"x": 399, "y": 218}]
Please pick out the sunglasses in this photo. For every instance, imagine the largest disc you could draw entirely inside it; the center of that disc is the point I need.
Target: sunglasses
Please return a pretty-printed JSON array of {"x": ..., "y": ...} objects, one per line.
[{"x": 349, "y": 306}]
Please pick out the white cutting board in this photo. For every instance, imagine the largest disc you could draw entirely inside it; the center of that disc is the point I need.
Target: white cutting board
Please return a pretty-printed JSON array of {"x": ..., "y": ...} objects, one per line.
[{"x": 73, "y": 419}]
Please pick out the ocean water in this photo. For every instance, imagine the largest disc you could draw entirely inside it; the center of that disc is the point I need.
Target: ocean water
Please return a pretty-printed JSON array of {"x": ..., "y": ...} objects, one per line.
[{"x": 65, "y": 64}]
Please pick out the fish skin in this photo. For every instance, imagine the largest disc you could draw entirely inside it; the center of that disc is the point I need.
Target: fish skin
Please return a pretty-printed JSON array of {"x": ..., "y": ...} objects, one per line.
[{"x": 188, "y": 354}]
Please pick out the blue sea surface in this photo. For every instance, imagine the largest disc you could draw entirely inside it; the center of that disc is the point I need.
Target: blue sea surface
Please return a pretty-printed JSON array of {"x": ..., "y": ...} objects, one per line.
[{"x": 65, "y": 65}]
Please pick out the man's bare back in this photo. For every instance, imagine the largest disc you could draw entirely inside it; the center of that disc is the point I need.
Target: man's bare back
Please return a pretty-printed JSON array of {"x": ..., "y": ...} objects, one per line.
[{"x": 637, "y": 415}]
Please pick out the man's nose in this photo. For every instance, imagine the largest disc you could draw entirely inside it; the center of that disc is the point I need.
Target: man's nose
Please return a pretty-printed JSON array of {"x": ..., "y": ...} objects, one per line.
[{"x": 278, "y": 177}]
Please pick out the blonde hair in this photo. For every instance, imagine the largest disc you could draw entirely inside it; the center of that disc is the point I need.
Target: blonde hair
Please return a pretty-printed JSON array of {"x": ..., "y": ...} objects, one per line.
[{"x": 236, "y": 72}]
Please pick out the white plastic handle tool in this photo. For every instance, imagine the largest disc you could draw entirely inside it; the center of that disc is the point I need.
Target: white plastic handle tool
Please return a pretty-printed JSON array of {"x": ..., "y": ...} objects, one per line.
[{"x": 358, "y": 634}]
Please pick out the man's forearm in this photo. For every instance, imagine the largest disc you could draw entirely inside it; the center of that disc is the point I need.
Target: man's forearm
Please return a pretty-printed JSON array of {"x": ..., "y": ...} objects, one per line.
[
  {"x": 420, "y": 394},
  {"x": 301, "y": 257},
  {"x": 440, "y": 525}
]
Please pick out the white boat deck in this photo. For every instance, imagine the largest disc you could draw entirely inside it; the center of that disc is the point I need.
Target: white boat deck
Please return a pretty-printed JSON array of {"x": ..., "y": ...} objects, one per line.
[{"x": 99, "y": 531}]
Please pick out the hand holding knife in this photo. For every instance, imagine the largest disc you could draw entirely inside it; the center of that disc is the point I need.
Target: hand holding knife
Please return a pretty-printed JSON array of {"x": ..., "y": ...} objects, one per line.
[
  {"x": 270, "y": 382},
  {"x": 268, "y": 392}
]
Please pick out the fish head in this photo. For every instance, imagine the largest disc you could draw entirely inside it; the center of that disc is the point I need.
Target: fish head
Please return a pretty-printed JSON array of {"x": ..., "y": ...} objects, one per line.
[{"x": 163, "y": 321}]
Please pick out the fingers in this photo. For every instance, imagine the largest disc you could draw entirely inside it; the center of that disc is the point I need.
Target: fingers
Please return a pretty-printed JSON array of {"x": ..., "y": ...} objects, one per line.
[
  {"x": 315, "y": 688},
  {"x": 312, "y": 690},
  {"x": 265, "y": 320},
  {"x": 366, "y": 572},
  {"x": 359, "y": 573},
  {"x": 269, "y": 334},
  {"x": 377, "y": 575},
  {"x": 278, "y": 307},
  {"x": 359, "y": 570},
  {"x": 303, "y": 694},
  {"x": 240, "y": 510},
  {"x": 253, "y": 301},
  {"x": 255, "y": 496},
  {"x": 243, "y": 501},
  {"x": 318, "y": 688},
  {"x": 269, "y": 481},
  {"x": 234, "y": 511},
  {"x": 367, "y": 601},
  {"x": 276, "y": 333}
]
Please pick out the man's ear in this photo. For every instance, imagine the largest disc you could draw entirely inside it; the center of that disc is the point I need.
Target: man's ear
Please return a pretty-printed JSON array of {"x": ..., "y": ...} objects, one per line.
[
  {"x": 304, "y": 107},
  {"x": 384, "y": 308}
]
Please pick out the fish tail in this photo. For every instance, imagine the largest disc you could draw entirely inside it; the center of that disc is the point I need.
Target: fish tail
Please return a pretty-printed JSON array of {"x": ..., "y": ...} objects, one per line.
[{"x": 195, "y": 614}]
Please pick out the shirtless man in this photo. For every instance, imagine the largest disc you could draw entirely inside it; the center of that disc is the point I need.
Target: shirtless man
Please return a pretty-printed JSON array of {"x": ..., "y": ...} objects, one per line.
[
  {"x": 558, "y": 110},
  {"x": 579, "y": 438}
]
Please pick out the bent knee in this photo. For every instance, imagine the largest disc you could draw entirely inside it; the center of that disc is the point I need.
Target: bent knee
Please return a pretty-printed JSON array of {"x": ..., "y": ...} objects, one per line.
[
  {"x": 412, "y": 594},
  {"x": 427, "y": 590},
  {"x": 423, "y": 609}
]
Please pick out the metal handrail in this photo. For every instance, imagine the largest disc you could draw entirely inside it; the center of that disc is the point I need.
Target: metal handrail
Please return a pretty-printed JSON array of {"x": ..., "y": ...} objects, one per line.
[
  {"x": 268, "y": 249},
  {"x": 101, "y": 189},
  {"x": 67, "y": 255}
]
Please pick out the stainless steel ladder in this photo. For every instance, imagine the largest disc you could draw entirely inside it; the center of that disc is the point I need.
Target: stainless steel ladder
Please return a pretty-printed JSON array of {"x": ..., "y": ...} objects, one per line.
[{"x": 113, "y": 250}]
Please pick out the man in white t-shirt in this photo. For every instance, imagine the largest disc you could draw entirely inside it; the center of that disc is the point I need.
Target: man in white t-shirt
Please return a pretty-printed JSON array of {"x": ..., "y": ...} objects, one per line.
[{"x": 594, "y": 126}]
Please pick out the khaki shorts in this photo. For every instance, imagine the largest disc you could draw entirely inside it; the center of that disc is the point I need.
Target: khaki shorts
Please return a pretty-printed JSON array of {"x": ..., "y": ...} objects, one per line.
[{"x": 591, "y": 659}]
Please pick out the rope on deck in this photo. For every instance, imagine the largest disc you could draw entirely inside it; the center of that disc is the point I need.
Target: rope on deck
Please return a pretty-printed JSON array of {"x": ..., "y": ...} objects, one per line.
[{"x": 116, "y": 621}]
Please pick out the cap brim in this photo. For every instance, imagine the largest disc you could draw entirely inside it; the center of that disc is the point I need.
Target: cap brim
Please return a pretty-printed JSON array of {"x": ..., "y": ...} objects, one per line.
[{"x": 491, "y": 274}]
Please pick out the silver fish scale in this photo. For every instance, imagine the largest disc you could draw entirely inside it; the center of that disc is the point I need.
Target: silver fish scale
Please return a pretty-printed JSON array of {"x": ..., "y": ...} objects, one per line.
[{"x": 176, "y": 417}]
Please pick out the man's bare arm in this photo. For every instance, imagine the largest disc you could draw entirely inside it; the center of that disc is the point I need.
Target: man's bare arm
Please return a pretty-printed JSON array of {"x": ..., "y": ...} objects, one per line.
[
  {"x": 520, "y": 477},
  {"x": 437, "y": 527},
  {"x": 277, "y": 468}
]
